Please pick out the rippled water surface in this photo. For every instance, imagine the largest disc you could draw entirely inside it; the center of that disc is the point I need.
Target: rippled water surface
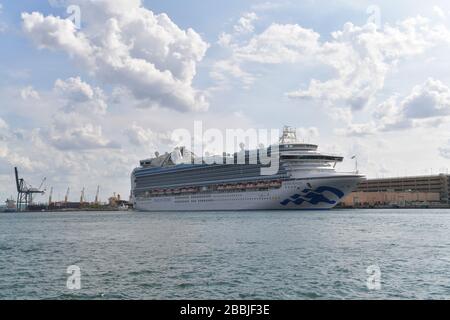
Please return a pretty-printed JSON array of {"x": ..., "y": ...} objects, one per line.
[{"x": 226, "y": 255}]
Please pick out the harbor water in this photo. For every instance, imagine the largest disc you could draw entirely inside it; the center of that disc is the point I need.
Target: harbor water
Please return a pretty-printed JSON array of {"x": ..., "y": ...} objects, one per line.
[{"x": 227, "y": 255}]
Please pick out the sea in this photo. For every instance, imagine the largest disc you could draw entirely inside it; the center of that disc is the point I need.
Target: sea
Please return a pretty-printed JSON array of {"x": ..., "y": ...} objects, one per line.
[{"x": 337, "y": 254}]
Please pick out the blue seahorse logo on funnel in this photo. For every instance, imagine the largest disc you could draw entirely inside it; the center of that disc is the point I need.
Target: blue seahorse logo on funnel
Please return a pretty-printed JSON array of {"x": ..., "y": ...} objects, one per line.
[{"x": 313, "y": 196}]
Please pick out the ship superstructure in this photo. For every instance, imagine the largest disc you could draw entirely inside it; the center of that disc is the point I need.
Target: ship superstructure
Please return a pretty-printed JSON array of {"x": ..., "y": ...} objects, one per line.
[{"x": 305, "y": 179}]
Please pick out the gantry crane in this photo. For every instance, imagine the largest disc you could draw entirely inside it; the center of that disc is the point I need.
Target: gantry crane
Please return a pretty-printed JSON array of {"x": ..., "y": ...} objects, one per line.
[
  {"x": 66, "y": 197},
  {"x": 82, "y": 196},
  {"x": 25, "y": 192},
  {"x": 50, "y": 197},
  {"x": 96, "y": 195}
]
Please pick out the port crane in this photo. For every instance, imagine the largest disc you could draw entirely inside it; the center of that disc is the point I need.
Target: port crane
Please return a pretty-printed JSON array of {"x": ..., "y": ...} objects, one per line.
[
  {"x": 96, "y": 195},
  {"x": 50, "y": 197},
  {"x": 42, "y": 183},
  {"x": 66, "y": 197},
  {"x": 82, "y": 196},
  {"x": 25, "y": 191}
]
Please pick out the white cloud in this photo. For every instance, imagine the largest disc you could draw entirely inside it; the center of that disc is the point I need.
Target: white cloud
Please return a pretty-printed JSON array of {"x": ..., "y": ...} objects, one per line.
[
  {"x": 10, "y": 157},
  {"x": 307, "y": 134},
  {"x": 28, "y": 93},
  {"x": 122, "y": 43},
  {"x": 279, "y": 44},
  {"x": 432, "y": 99},
  {"x": 439, "y": 12},
  {"x": 55, "y": 33},
  {"x": 445, "y": 151},
  {"x": 69, "y": 132},
  {"x": 360, "y": 57},
  {"x": 80, "y": 97},
  {"x": 225, "y": 39},
  {"x": 245, "y": 23},
  {"x": 72, "y": 125},
  {"x": 363, "y": 57},
  {"x": 358, "y": 130},
  {"x": 3, "y": 124},
  {"x": 223, "y": 69},
  {"x": 427, "y": 105},
  {"x": 75, "y": 89},
  {"x": 69, "y": 116},
  {"x": 140, "y": 136}
]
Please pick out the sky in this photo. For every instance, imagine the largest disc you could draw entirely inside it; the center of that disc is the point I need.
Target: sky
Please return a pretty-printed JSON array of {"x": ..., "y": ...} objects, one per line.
[{"x": 90, "y": 87}]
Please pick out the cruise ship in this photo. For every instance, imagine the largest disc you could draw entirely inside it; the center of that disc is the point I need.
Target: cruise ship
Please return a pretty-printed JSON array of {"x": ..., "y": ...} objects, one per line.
[{"x": 306, "y": 179}]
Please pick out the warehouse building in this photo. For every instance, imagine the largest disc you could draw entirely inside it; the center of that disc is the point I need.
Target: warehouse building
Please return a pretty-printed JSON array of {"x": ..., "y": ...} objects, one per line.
[
  {"x": 399, "y": 199},
  {"x": 428, "y": 184},
  {"x": 403, "y": 191}
]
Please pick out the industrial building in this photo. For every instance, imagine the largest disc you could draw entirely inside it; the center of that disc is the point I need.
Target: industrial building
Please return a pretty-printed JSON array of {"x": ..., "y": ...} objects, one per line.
[
  {"x": 402, "y": 191},
  {"x": 398, "y": 199}
]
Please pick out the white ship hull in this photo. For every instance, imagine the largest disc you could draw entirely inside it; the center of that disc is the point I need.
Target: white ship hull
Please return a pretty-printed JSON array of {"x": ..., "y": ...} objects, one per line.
[{"x": 311, "y": 193}]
